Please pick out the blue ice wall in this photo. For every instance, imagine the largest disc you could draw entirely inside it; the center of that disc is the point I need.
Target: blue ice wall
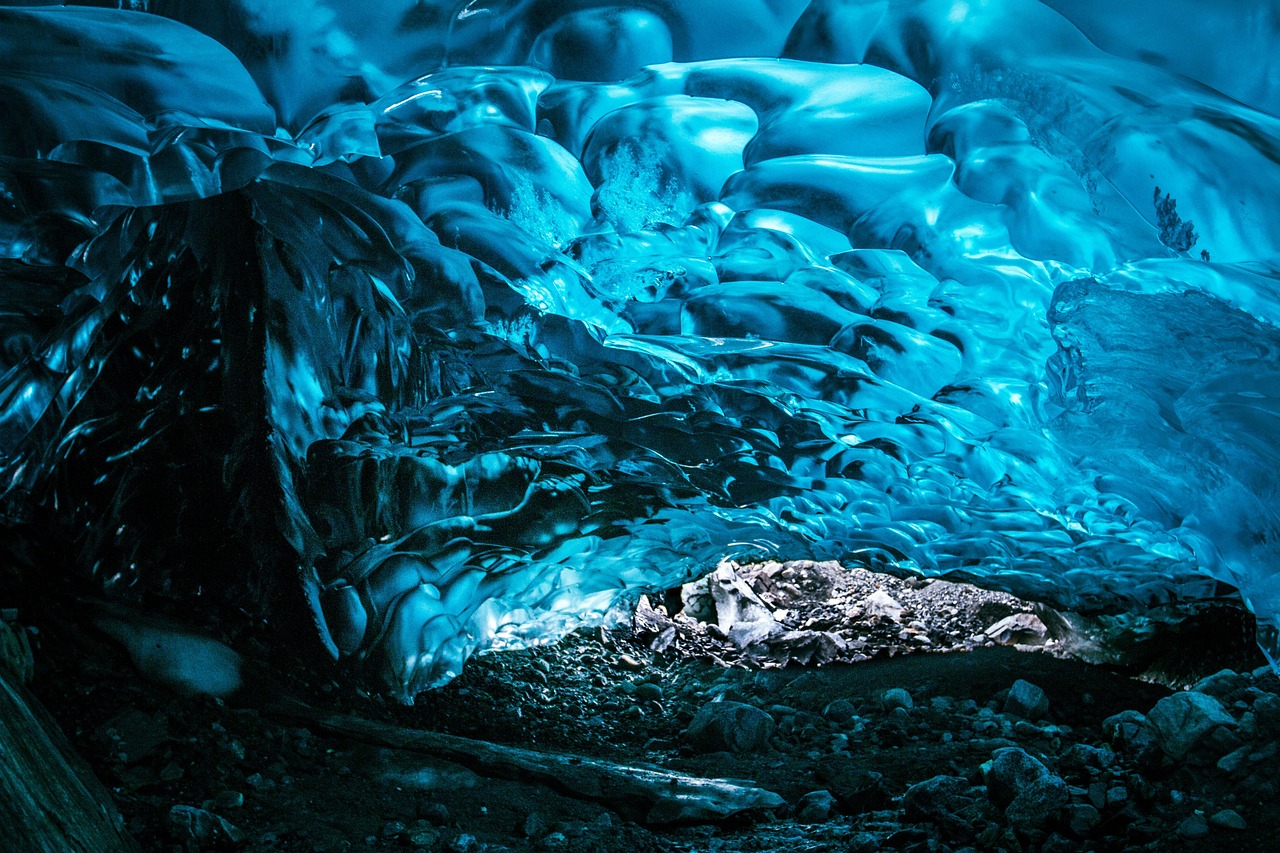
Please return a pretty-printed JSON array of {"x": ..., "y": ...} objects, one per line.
[{"x": 469, "y": 318}]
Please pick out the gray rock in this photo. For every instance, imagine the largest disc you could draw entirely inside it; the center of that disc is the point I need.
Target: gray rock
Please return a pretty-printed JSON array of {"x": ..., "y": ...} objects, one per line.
[
  {"x": 1228, "y": 819},
  {"x": 534, "y": 826},
  {"x": 729, "y": 726},
  {"x": 132, "y": 735},
  {"x": 204, "y": 829},
  {"x": 1183, "y": 721},
  {"x": 463, "y": 842},
  {"x": 1082, "y": 819},
  {"x": 840, "y": 712},
  {"x": 1222, "y": 684},
  {"x": 896, "y": 697},
  {"x": 1024, "y": 787},
  {"x": 941, "y": 800},
  {"x": 1194, "y": 827},
  {"x": 1236, "y": 760},
  {"x": 648, "y": 692},
  {"x": 1081, "y": 755},
  {"x": 815, "y": 807},
  {"x": 434, "y": 813},
  {"x": 1026, "y": 700},
  {"x": 1128, "y": 730},
  {"x": 1266, "y": 711}
]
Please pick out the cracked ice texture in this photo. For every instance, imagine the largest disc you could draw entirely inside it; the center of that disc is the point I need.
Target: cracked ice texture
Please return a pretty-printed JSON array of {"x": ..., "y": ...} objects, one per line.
[{"x": 476, "y": 317}]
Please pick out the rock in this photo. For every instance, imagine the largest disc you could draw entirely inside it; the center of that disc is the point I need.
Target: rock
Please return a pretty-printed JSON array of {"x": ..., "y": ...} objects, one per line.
[
  {"x": 1236, "y": 760},
  {"x": 228, "y": 799},
  {"x": 856, "y": 788},
  {"x": 534, "y": 826},
  {"x": 436, "y": 814},
  {"x": 1222, "y": 685},
  {"x": 1024, "y": 787},
  {"x": 648, "y": 693},
  {"x": 1266, "y": 711},
  {"x": 730, "y": 726},
  {"x": 882, "y": 604},
  {"x": 896, "y": 697},
  {"x": 463, "y": 842},
  {"x": 1020, "y": 629},
  {"x": 1082, "y": 819},
  {"x": 424, "y": 838},
  {"x": 1181, "y": 722},
  {"x": 1194, "y": 826},
  {"x": 941, "y": 800},
  {"x": 1228, "y": 819},
  {"x": 132, "y": 735},
  {"x": 1128, "y": 730},
  {"x": 1026, "y": 700},
  {"x": 1082, "y": 755},
  {"x": 204, "y": 829},
  {"x": 815, "y": 807},
  {"x": 841, "y": 712}
]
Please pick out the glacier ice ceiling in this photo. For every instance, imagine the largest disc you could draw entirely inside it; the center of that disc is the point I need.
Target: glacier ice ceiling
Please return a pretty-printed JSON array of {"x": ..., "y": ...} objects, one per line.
[{"x": 478, "y": 316}]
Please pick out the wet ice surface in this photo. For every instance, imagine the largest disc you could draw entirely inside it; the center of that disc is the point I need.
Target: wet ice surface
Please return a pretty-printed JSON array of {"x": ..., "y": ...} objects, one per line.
[{"x": 485, "y": 316}]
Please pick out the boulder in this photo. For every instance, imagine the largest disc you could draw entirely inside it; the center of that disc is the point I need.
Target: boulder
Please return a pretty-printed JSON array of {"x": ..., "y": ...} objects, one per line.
[
  {"x": 1082, "y": 819},
  {"x": 729, "y": 726},
  {"x": 815, "y": 807},
  {"x": 1026, "y": 700},
  {"x": 896, "y": 697},
  {"x": 1182, "y": 722},
  {"x": 1228, "y": 819},
  {"x": 940, "y": 800},
  {"x": 1024, "y": 787},
  {"x": 1128, "y": 730}
]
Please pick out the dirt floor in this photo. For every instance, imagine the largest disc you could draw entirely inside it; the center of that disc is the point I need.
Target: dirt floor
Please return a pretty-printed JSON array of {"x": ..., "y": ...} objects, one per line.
[{"x": 842, "y": 744}]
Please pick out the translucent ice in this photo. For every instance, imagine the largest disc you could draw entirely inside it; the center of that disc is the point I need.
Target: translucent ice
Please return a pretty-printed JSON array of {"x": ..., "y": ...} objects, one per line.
[{"x": 460, "y": 322}]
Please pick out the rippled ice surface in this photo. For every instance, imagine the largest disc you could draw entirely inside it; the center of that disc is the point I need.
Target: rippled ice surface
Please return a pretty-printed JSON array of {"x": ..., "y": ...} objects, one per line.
[{"x": 484, "y": 314}]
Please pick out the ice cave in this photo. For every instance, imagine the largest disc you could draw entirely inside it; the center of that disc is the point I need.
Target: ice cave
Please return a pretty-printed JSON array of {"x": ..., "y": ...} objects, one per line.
[{"x": 676, "y": 425}]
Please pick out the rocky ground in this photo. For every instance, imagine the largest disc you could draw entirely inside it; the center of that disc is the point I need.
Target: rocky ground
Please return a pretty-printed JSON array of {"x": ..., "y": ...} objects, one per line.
[{"x": 860, "y": 712}]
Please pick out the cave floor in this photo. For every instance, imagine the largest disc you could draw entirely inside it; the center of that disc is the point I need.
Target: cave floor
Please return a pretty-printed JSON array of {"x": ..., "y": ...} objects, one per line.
[{"x": 290, "y": 785}]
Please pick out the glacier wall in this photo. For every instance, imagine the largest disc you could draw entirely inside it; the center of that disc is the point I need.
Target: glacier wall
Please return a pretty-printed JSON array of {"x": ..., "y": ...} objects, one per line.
[{"x": 467, "y": 319}]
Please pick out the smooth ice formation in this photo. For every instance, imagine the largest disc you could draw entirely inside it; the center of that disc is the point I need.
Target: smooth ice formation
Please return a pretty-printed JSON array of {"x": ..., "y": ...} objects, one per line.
[{"x": 477, "y": 317}]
